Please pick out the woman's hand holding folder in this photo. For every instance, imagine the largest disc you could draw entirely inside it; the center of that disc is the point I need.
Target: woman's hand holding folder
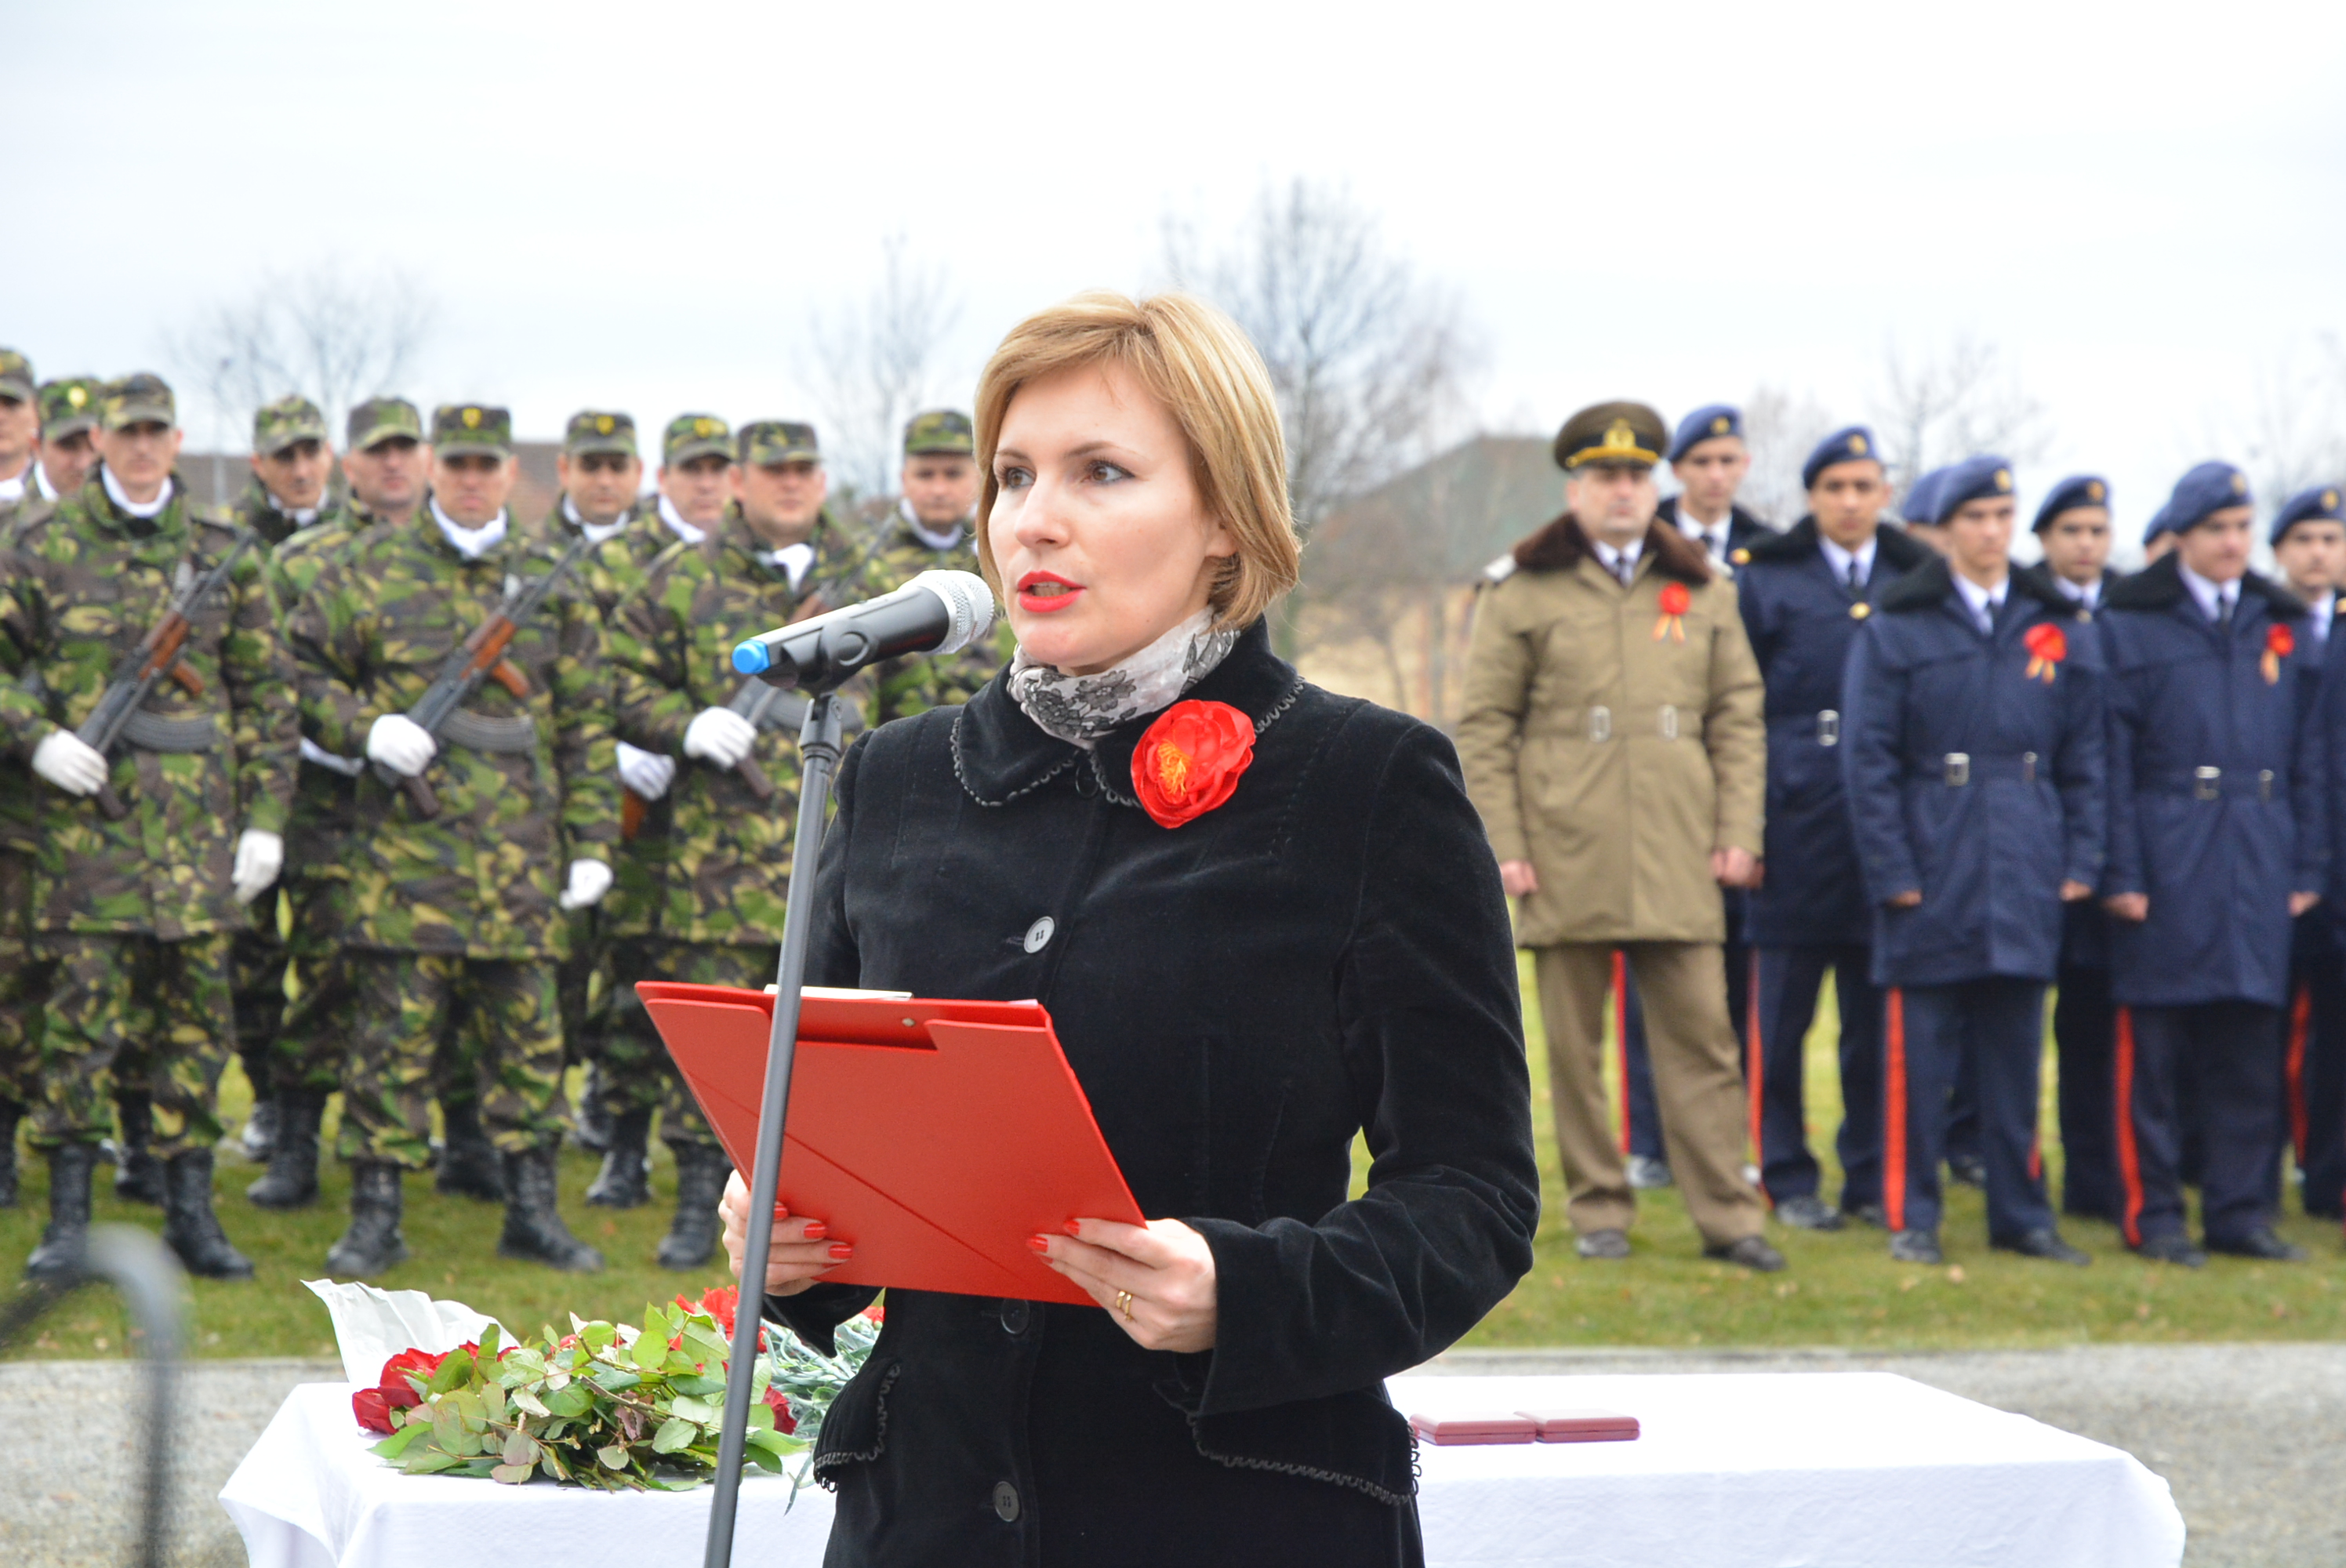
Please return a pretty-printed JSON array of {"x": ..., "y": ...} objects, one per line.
[{"x": 800, "y": 1253}]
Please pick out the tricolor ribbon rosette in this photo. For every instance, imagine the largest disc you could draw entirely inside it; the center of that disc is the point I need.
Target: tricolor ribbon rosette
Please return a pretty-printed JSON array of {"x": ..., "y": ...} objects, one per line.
[
  {"x": 1189, "y": 761},
  {"x": 2279, "y": 643},
  {"x": 1671, "y": 623},
  {"x": 2047, "y": 648}
]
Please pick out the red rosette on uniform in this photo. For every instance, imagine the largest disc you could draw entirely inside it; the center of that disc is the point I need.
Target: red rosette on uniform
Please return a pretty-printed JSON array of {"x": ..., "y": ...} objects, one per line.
[
  {"x": 2047, "y": 647},
  {"x": 1191, "y": 760},
  {"x": 2279, "y": 643},
  {"x": 1671, "y": 624}
]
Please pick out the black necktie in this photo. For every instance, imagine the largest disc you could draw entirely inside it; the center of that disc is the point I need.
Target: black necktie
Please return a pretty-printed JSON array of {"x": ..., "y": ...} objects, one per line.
[
  {"x": 1856, "y": 575},
  {"x": 1711, "y": 544},
  {"x": 2223, "y": 608}
]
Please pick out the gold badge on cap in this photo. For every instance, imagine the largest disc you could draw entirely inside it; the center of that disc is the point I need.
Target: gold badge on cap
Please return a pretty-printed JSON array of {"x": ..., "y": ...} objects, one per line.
[
  {"x": 472, "y": 418},
  {"x": 1719, "y": 424},
  {"x": 1619, "y": 437},
  {"x": 603, "y": 425},
  {"x": 704, "y": 427},
  {"x": 2239, "y": 484},
  {"x": 1859, "y": 611},
  {"x": 2094, "y": 490},
  {"x": 2329, "y": 497},
  {"x": 76, "y": 396},
  {"x": 2004, "y": 479},
  {"x": 1857, "y": 446}
]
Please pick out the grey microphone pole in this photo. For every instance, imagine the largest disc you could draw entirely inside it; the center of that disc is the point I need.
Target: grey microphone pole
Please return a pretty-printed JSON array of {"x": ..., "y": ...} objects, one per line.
[{"x": 818, "y": 749}]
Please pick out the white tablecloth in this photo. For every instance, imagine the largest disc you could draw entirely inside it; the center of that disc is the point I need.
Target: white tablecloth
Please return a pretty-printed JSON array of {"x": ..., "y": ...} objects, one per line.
[{"x": 1837, "y": 1470}]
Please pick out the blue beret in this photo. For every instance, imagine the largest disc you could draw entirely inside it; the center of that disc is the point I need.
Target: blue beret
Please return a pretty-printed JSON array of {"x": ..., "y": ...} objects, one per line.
[
  {"x": 2157, "y": 525},
  {"x": 1855, "y": 445},
  {"x": 2208, "y": 487},
  {"x": 2077, "y": 490},
  {"x": 1711, "y": 420},
  {"x": 1984, "y": 477},
  {"x": 1922, "y": 500},
  {"x": 2319, "y": 504}
]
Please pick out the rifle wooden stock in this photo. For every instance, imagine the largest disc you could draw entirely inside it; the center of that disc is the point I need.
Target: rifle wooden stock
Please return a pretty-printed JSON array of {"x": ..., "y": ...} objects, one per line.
[
  {"x": 632, "y": 808},
  {"x": 755, "y": 778}
]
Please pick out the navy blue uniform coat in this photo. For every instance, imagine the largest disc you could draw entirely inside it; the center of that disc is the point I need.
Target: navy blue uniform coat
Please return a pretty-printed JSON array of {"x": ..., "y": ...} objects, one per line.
[
  {"x": 1801, "y": 617},
  {"x": 2187, "y": 695},
  {"x": 1326, "y": 952},
  {"x": 1988, "y": 856}
]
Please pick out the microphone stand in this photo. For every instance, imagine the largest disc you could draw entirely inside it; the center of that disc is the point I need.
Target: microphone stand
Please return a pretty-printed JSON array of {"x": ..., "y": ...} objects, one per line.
[{"x": 819, "y": 750}]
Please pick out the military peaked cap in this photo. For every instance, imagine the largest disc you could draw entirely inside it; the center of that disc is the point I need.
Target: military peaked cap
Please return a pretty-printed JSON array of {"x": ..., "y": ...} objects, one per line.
[
  {"x": 771, "y": 441},
  {"x": 940, "y": 430},
  {"x": 691, "y": 435},
  {"x": 594, "y": 430},
  {"x": 1611, "y": 435},
  {"x": 16, "y": 376},
  {"x": 472, "y": 430},
  {"x": 291, "y": 418},
  {"x": 381, "y": 419},
  {"x": 141, "y": 398},
  {"x": 69, "y": 406}
]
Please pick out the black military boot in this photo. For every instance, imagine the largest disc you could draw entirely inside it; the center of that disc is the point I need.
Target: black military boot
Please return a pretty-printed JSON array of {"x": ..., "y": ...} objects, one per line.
[
  {"x": 259, "y": 1139},
  {"x": 701, "y": 1173},
  {"x": 11, "y": 1113},
  {"x": 534, "y": 1227},
  {"x": 62, "y": 1245},
  {"x": 293, "y": 1178},
  {"x": 593, "y": 1133},
  {"x": 623, "y": 1182},
  {"x": 372, "y": 1243},
  {"x": 468, "y": 1161},
  {"x": 138, "y": 1174},
  {"x": 190, "y": 1228}
]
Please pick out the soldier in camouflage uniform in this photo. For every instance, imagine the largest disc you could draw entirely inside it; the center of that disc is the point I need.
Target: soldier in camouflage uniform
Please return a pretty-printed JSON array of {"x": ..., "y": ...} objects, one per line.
[
  {"x": 66, "y": 455},
  {"x": 20, "y": 428},
  {"x": 20, "y": 978},
  {"x": 931, "y": 530},
  {"x": 292, "y": 469},
  {"x": 715, "y": 915},
  {"x": 451, "y": 925},
  {"x": 386, "y": 461},
  {"x": 135, "y": 915},
  {"x": 305, "y": 1065}
]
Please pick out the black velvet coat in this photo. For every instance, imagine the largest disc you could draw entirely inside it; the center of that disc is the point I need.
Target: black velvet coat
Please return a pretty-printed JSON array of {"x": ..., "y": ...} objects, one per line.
[{"x": 1327, "y": 952}]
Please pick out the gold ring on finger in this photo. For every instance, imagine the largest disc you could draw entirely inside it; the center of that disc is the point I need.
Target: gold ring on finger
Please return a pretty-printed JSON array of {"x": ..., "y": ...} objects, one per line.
[{"x": 1124, "y": 1304}]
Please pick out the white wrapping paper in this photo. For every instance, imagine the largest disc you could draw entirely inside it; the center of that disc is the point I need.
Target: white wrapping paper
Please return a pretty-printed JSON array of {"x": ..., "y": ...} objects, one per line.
[{"x": 371, "y": 1325}]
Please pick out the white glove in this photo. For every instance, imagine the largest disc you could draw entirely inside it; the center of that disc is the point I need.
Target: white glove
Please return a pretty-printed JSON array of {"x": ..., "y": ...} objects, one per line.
[
  {"x": 647, "y": 773},
  {"x": 589, "y": 880},
  {"x": 720, "y": 734},
  {"x": 401, "y": 744},
  {"x": 70, "y": 763},
  {"x": 258, "y": 858}
]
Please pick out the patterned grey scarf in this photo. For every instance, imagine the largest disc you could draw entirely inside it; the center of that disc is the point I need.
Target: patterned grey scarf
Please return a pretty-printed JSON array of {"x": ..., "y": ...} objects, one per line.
[{"x": 1080, "y": 708}]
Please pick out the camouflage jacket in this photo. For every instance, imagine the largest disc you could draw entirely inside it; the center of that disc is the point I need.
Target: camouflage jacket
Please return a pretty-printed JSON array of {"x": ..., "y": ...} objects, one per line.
[
  {"x": 916, "y": 685},
  {"x": 726, "y": 871},
  {"x": 257, "y": 510},
  {"x": 325, "y": 799},
  {"x": 482, "y": 878},
  {"x": 20, "y": 791},
  {"x": 85, "y": 583}
]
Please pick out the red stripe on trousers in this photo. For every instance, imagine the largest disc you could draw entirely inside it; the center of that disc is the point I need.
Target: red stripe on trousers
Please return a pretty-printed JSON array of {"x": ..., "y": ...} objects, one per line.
[
  {"x": 1757, "y": 1075},
  {"x": 2129, "y": 1159},
  {"x": 2300, "y": 1021},
  {"x": 1621, "y": 1035},
  {"x": 1893, "y": 1102}
]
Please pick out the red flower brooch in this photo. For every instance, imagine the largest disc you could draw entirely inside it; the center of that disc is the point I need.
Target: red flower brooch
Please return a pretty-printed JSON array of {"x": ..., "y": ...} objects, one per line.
[
  {"x": 1676, "y": 601},
  {"x": 2047, "y": 647},
  {"x": 2279, "y": 643},
  {"x": 1189, "y": 761}
]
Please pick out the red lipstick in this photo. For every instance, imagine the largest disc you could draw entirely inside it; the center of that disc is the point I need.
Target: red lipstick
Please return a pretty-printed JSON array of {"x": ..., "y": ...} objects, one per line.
[{"x": 1046, "y": 593}]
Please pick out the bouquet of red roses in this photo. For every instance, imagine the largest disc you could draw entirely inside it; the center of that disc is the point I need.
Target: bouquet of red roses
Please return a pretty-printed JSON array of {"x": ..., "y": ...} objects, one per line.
[{"x": 606, "y": 1405}]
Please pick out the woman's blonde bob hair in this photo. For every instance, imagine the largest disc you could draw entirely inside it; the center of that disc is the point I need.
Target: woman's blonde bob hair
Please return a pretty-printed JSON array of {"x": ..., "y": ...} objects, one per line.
[{"x": 1198, "y": 362}]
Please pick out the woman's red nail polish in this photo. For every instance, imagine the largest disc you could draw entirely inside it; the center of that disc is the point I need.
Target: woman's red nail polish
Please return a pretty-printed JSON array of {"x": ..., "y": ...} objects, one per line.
[
  {"x": 1039, "y": 1243},
  {"x": 841, "y": 1249},
  {"x": 816, "y": 1230},
  {"x": 1075, "y": 1229}
]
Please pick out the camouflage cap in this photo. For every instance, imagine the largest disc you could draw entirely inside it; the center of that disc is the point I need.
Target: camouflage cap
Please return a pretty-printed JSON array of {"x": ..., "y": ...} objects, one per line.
[
  {"x": 69, "y": 406},
  {"x": 140, "y": 398},
  {"x": 940, "y": 430},
  {"x": 592, "y": 430},
  {"x": 691, "y": 435},
  {"x": 472, "y": 430},
  {"x": 291, "y": 418},
  {"x": 16, "y": 376},
  {"x": 381, "y": 419},
  {"x": 771, "y": 441}
]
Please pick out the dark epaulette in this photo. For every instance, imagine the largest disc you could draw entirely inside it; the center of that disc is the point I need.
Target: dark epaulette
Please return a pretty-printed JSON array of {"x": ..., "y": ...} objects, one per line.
[
  {"x": 1794, "y": 544},
  {"x": 1925, "y": 587}
]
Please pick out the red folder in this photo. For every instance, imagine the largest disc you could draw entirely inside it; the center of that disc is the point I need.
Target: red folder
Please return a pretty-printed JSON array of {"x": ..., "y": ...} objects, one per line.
[
  {"x": 1446, "y": 1432},
  {"x": 936, "y": 1136}
]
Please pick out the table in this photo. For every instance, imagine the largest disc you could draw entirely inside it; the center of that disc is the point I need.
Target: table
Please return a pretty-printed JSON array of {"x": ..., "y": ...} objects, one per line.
[{"x": 1828, "y": 1470}]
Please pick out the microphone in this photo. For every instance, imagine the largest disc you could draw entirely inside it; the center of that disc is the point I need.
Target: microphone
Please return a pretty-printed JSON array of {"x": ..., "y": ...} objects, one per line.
[{"x": 935, "y": 613}]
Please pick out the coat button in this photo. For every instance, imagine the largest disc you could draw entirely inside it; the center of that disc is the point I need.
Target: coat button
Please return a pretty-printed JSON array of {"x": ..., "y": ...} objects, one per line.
[
  {"x": 1038, "y": 935},
  {"x": 1005, "y": 1501},
  {"x": 1014, "y": 1317}
]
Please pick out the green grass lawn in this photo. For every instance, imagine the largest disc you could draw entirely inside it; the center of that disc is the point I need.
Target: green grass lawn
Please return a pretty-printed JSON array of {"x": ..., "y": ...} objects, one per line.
[{"x": 1840, "y": 1291}]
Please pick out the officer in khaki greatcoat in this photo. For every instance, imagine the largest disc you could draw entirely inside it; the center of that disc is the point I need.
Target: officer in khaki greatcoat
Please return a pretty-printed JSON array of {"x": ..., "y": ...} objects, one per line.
[{"x": 1613, "y": 740}]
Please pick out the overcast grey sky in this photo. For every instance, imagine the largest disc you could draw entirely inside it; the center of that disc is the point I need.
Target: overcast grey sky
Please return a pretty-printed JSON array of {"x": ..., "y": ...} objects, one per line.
[{"x": 2145, "y": 207}]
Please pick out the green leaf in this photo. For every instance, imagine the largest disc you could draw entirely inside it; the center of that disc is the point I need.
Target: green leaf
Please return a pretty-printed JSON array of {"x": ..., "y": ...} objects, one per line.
[
  {"x": 400, "y": 1441},
  {"x": 615, "y": 1380},
  {"x": 526, "y": 1400},
  {"x": 699, "y": 1387},
  {"x": 761, "y": 1416},
  {"x": 764, "y": 1459},
  {"x": 520, "y": 1449},
  {"x": 572, "y": 1400},
  {"x": 493, "y": 1402},
  {"x": 772, "y": 1442},
  {"x": 429, "y": 1461},
  {"x": 454, "y": 1373},
  {"x": 693, "y": 1409},
  {"x": 673, "y": 1435},
  {"x": 511, "y": 1474},
  {"x": 595, "y": 1336},
  {"x": 613, "y": 1457},
  {"x": 490, "y": 1341}
]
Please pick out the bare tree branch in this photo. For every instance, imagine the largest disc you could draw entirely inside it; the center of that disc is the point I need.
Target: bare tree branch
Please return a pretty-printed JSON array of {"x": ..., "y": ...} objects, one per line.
[
  {"x": 2293, "y": 434},
  {"x": 1943, "y": 408},
  {"x": 876, "y": 364},
  {"x": 1781, "y": 429}
]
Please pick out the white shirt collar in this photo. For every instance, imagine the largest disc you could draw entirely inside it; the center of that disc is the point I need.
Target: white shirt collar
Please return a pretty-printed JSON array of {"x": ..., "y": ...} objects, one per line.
[
  {"x": 2086, "y": 594},
  {"x": 121, "y": 498},
  {"x": 1982, "y": 601},
  {"x": 2207, "y": 592},
  {"x": 1717, "y": 543},
  {"x": 691, "y": 533},
  {"x": 933, "y": 541},
  {"x": 2323, "y": 609},
  {"x": 796, "y": 559},
  {"x": 595, "y": 532},
  {"x": 300, "y": 516},
  {"x": 41, "y": 482},
  {"x": 1626, "y": 558},
  {"x": 471, "y": 543},
  {"x": 1839, "y": 558},
  {"x": 13, "y": 489}
]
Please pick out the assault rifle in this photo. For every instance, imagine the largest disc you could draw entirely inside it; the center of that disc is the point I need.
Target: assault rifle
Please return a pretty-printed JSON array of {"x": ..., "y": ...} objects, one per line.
[
  {"x": 479, "y": 657},
  {"x": 157, "y": 657}
]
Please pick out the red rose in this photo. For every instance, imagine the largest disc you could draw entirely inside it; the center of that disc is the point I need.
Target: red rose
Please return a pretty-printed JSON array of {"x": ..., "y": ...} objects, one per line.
[
  {"x": 2279, "y": 641},
  {"x": 1676, "y": 600},
  {"x": 1189, "y": 761},
  {"x": 372, "y": 1410},
  {"x": 402, "y": 1375},
  {"x": 876, "y": 1313},
  {"x": 780, "y": 1403},
  {"x": 720, "y": 1302}
]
